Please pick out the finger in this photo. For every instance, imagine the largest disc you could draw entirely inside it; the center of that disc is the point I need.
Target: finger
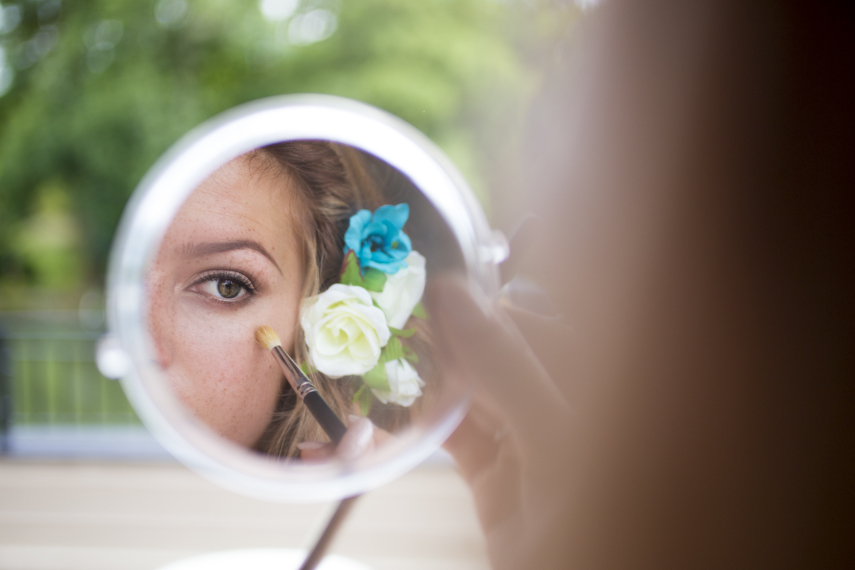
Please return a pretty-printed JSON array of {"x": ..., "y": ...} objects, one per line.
[
  {"x": 473, "y": 445},
  {"x": 526, "y": 295},
  {"x": 529, "y": 230},
  {"x": 554, "y": 344},
  {"x": 497, "y": 490},
  {"x": 315, "y": 450},
  {"x": 477, "y": 341},
  {"x": 381, "y": 436},
  {"x": 357, "y": 440}
]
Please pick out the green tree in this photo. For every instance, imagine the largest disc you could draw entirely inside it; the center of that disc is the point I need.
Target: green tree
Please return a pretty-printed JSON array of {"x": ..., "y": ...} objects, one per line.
[{"x": 96, "y": 90}]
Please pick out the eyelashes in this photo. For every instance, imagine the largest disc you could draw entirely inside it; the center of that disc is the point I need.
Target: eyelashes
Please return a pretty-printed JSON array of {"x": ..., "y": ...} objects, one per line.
[{"x": 225, "y": 287}]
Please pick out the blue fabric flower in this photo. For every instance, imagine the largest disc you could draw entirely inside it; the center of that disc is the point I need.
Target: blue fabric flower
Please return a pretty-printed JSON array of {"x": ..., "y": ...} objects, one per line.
[{"x": 378, "y": 240}]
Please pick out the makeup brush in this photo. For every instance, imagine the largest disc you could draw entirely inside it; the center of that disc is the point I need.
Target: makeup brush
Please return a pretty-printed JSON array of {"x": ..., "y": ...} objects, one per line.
[{"x": 304, "y": 388}]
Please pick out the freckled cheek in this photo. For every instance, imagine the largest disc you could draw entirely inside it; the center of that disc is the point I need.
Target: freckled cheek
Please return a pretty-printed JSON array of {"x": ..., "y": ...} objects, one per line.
[
  {"x": 217, "y": 369},
  {"x": 229, "y": 358},
  {"x": 227, "y": 380},
  {"x": 160, "y": 316}
]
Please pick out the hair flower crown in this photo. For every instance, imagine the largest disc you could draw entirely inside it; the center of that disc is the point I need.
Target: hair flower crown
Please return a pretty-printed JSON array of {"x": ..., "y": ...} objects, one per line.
[{"x": 355, "y": 327}]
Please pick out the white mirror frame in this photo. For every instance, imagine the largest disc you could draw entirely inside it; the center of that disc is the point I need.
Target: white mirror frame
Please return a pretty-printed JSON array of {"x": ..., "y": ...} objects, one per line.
[{"x": 127, "y": 350}]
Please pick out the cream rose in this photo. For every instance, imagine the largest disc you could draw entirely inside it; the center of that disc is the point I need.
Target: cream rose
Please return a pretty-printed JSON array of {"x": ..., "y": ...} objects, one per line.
[
  {"x": 344, "y": 331},
  {"x": 404, "y": 384},
  {"x": 403, "y": 291}
]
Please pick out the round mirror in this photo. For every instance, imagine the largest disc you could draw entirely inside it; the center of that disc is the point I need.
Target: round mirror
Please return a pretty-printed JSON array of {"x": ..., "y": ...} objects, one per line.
[{"x": 264, "y": 297}]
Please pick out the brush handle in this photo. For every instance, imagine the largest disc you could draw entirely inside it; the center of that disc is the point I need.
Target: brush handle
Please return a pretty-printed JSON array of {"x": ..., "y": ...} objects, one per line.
[
  {"x": 319, "y": 408},
  {"x": 321, "y": 411}
]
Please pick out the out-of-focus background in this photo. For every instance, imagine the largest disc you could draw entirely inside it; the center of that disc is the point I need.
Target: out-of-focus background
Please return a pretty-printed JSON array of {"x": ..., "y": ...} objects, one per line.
[{"x": 91, "y": 93}]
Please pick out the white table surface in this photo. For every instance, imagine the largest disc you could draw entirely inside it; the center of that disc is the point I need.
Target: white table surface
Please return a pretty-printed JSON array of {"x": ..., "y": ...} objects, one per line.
[{"x": 64, "y": 515}]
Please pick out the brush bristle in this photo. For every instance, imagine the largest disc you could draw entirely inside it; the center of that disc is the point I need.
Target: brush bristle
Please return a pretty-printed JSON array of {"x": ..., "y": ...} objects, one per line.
[{"x": 267, "y": 337}]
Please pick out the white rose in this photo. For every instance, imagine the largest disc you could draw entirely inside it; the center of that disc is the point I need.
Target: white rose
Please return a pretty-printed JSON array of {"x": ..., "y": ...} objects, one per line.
[
  {"x": 404, "y": 384},
  {"x": 345, "y": 332},
  {"x": 403, "y": 291}
]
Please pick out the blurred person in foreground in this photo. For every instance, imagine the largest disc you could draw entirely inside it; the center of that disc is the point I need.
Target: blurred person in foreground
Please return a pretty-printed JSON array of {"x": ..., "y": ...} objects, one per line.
[{"x": 691, "y": 406}]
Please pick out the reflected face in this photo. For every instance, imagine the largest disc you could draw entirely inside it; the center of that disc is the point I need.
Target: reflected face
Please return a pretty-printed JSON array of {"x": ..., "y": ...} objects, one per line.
[{"x": 229, "y": 263}]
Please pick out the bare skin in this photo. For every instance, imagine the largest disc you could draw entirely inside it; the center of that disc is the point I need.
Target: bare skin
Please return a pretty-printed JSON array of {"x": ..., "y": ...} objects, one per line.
[{"x": 229, "y": 263}]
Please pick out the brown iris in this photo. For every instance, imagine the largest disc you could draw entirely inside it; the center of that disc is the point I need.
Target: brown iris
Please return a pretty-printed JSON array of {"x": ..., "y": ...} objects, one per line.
[{"x": 229, "y": 289}]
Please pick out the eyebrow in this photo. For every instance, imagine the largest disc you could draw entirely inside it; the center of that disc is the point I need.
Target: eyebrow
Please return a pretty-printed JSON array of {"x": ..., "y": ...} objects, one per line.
[{"x": 210, "y": 248}]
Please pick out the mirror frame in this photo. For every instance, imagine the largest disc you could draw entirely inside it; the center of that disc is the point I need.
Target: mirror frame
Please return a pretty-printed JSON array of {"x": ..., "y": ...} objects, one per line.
[{"x": 128, "y": 348}]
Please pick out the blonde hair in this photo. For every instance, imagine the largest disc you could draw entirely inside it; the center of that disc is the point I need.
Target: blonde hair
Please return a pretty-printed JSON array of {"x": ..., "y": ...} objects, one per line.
[{"x": 330, "y": 182}]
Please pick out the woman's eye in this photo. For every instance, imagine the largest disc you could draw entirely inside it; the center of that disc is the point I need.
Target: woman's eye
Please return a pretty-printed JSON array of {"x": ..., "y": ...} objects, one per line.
[
  {"x": 223, "y": 287},
  {"x": 228, "y": 288}
]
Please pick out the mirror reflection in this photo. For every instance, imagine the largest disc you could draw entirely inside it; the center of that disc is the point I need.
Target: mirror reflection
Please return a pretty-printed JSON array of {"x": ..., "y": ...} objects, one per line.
[{"x": 330, "y": 249}]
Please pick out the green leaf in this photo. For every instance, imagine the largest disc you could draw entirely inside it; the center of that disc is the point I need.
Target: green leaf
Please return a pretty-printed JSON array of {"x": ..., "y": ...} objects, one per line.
[
  {"x": 374, "y": 280},
  {"x": 358, "y": 393},
  {"x": 365, "y": 402},
  {"x": 411, "y": 355},
  {"x": 405, "y": 333},
  {"x": 307, "y": 370},
  {"x": 376, "y": 378},
  {"x": 351, "y": 275},
  {"x": 364, "y": 399},
  {"x": 393, "y": 350},
  {"x": 419, "y": 311}
]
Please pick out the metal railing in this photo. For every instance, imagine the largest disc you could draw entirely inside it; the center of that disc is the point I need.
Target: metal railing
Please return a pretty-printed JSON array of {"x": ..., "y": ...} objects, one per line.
[{"x": 48, "y": 375}]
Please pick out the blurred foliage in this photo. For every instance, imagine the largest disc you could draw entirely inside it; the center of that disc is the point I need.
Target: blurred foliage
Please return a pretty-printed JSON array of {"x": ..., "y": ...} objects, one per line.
[
  {"x": 93, "y": 91},
  {"x": 48, "y": 241}
]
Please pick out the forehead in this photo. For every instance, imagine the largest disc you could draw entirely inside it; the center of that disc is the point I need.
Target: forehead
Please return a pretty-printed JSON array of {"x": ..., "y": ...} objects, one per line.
[{"x": 250, "y": 197}]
